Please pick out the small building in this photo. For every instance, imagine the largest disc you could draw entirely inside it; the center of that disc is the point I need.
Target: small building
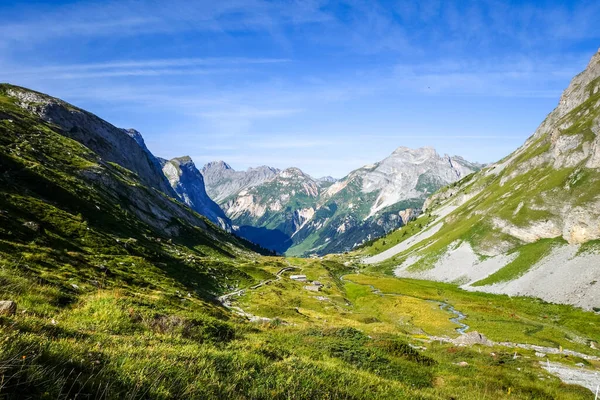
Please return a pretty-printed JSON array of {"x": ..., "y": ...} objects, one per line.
[
  {"x": 313, "y": 288},
  {"x": 299, "y": 278},
  {"x": 317, "y": 283}
]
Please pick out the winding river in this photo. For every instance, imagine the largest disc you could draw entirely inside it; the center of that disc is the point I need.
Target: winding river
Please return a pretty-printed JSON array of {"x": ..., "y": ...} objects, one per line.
[
  {"x": 457, "y": 319},
  {"x": 458, "y": 316}
]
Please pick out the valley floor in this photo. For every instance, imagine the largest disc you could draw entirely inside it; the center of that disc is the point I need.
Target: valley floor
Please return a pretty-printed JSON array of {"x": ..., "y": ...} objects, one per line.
[
  {"x": 360, "y": 335},
  {"x": 432, "y": 317}
]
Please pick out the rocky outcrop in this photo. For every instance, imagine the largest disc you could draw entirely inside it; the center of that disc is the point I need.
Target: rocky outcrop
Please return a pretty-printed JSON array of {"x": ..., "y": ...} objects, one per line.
[
  {"x": 8, "y": 307},
  {"x": 408, "y": 215},
  {"x": 188, "y": 183},
  {"x": 222, "y": 181},
  {"x": 123, "y": 147},
  {"x": 472, "y": 338},
  {"x": 123, "y": 166}
]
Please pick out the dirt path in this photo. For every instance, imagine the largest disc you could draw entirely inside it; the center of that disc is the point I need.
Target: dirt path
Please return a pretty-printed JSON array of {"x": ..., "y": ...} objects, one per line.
[{"x": 225, "y": 299}]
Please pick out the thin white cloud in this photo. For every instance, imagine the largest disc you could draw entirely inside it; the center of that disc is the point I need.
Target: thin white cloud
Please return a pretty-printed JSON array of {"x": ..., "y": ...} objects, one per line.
[
  {"x": 520, "y": 77},
  {"x": 250, "y": 113},
  {"x": 156, "y": 67},
  {"x": 157, "y": 63},
  {"x": 483, "y": 137},
  {"x": 129, "y": 17},
  {"x": 142, "y": 72}
]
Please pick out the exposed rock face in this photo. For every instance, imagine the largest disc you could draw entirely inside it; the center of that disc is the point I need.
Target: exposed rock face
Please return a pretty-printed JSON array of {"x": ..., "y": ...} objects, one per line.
[
  {"x": 188, "y": 183},
  {"x": 8, "y": 307},
  {"x": 408, "y": 215},
  {"x": 139, "y": 177},
  {"x": 471, "y": 338},
  {"x": 540, "y": 205},
  {"x": 223, "y": 181},
  {"x": 334, "y": 215},
  {"x": 326, "y": 181},
  {"x": 406, "y": 174},
  {"x": 123, "y": 147}
]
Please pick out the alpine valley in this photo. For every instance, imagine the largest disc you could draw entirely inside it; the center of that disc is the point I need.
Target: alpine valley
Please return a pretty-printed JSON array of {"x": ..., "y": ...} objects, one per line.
[{"x": 127, "y": 276}]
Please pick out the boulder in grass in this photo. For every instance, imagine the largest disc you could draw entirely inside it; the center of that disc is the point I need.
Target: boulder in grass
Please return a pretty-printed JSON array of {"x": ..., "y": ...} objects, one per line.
[
  {"x": 8, "y": 307},
  {"x": 471, "y": 338}
]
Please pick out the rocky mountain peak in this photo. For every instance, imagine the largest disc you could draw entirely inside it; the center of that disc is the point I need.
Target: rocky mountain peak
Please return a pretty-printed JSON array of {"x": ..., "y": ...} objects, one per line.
[
  {"x": 217, "y": 165},
  {"x": 409, "y": 155},
  {"x": 135, "y": 135},
  {"x": 293, "y": 173},
  {"x": 184, "y": 161},
  {"x": 188, "y": 183},
  {"x": 223, "y": 181},
  {"x": 581, "y": 88},
  {"x": 328, "y": 179},
  {"x": 264, "y": 168},
  {"x": 578, "y": 88}
]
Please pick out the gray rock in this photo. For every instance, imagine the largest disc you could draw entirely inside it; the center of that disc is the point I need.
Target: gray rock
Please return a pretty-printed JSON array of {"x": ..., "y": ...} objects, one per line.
[
  {"x": 121, "y": 146},
  {"x": 8, "y": 307},
  {"x": 223, "y": 181},
  {"x": 188, "y": 183},
  {"x": 34, "y": 226},
  {"x": 472, "y": 338},
  {"x": 312, "y": 288}
]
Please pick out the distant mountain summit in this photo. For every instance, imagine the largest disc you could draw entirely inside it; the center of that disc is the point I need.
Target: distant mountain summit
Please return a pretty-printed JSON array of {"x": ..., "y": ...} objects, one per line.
[
  {"x": 406, "y": 174},
  {"x": 289, "y": 211},
  {"x": 223, "y": 181}
]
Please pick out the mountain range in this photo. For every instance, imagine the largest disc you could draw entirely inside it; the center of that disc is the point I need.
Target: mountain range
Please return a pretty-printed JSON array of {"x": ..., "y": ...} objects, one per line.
[{"x": 294, "y": 213}]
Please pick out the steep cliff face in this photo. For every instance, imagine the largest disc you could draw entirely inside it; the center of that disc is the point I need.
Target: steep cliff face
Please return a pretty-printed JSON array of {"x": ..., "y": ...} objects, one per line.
[
  {"x": 64, "y": 188},
  {"x": 324, "y": 215},
  {"x": 123, "y": 147},
  {"x": 126, "y": 149},
  {"x": 539, "y": 204},
  {"x": 188, "y": 183}
]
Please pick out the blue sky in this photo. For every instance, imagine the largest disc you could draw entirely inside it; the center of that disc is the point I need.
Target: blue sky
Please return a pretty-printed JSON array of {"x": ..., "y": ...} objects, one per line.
[{"x": 324, "y": 86}]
